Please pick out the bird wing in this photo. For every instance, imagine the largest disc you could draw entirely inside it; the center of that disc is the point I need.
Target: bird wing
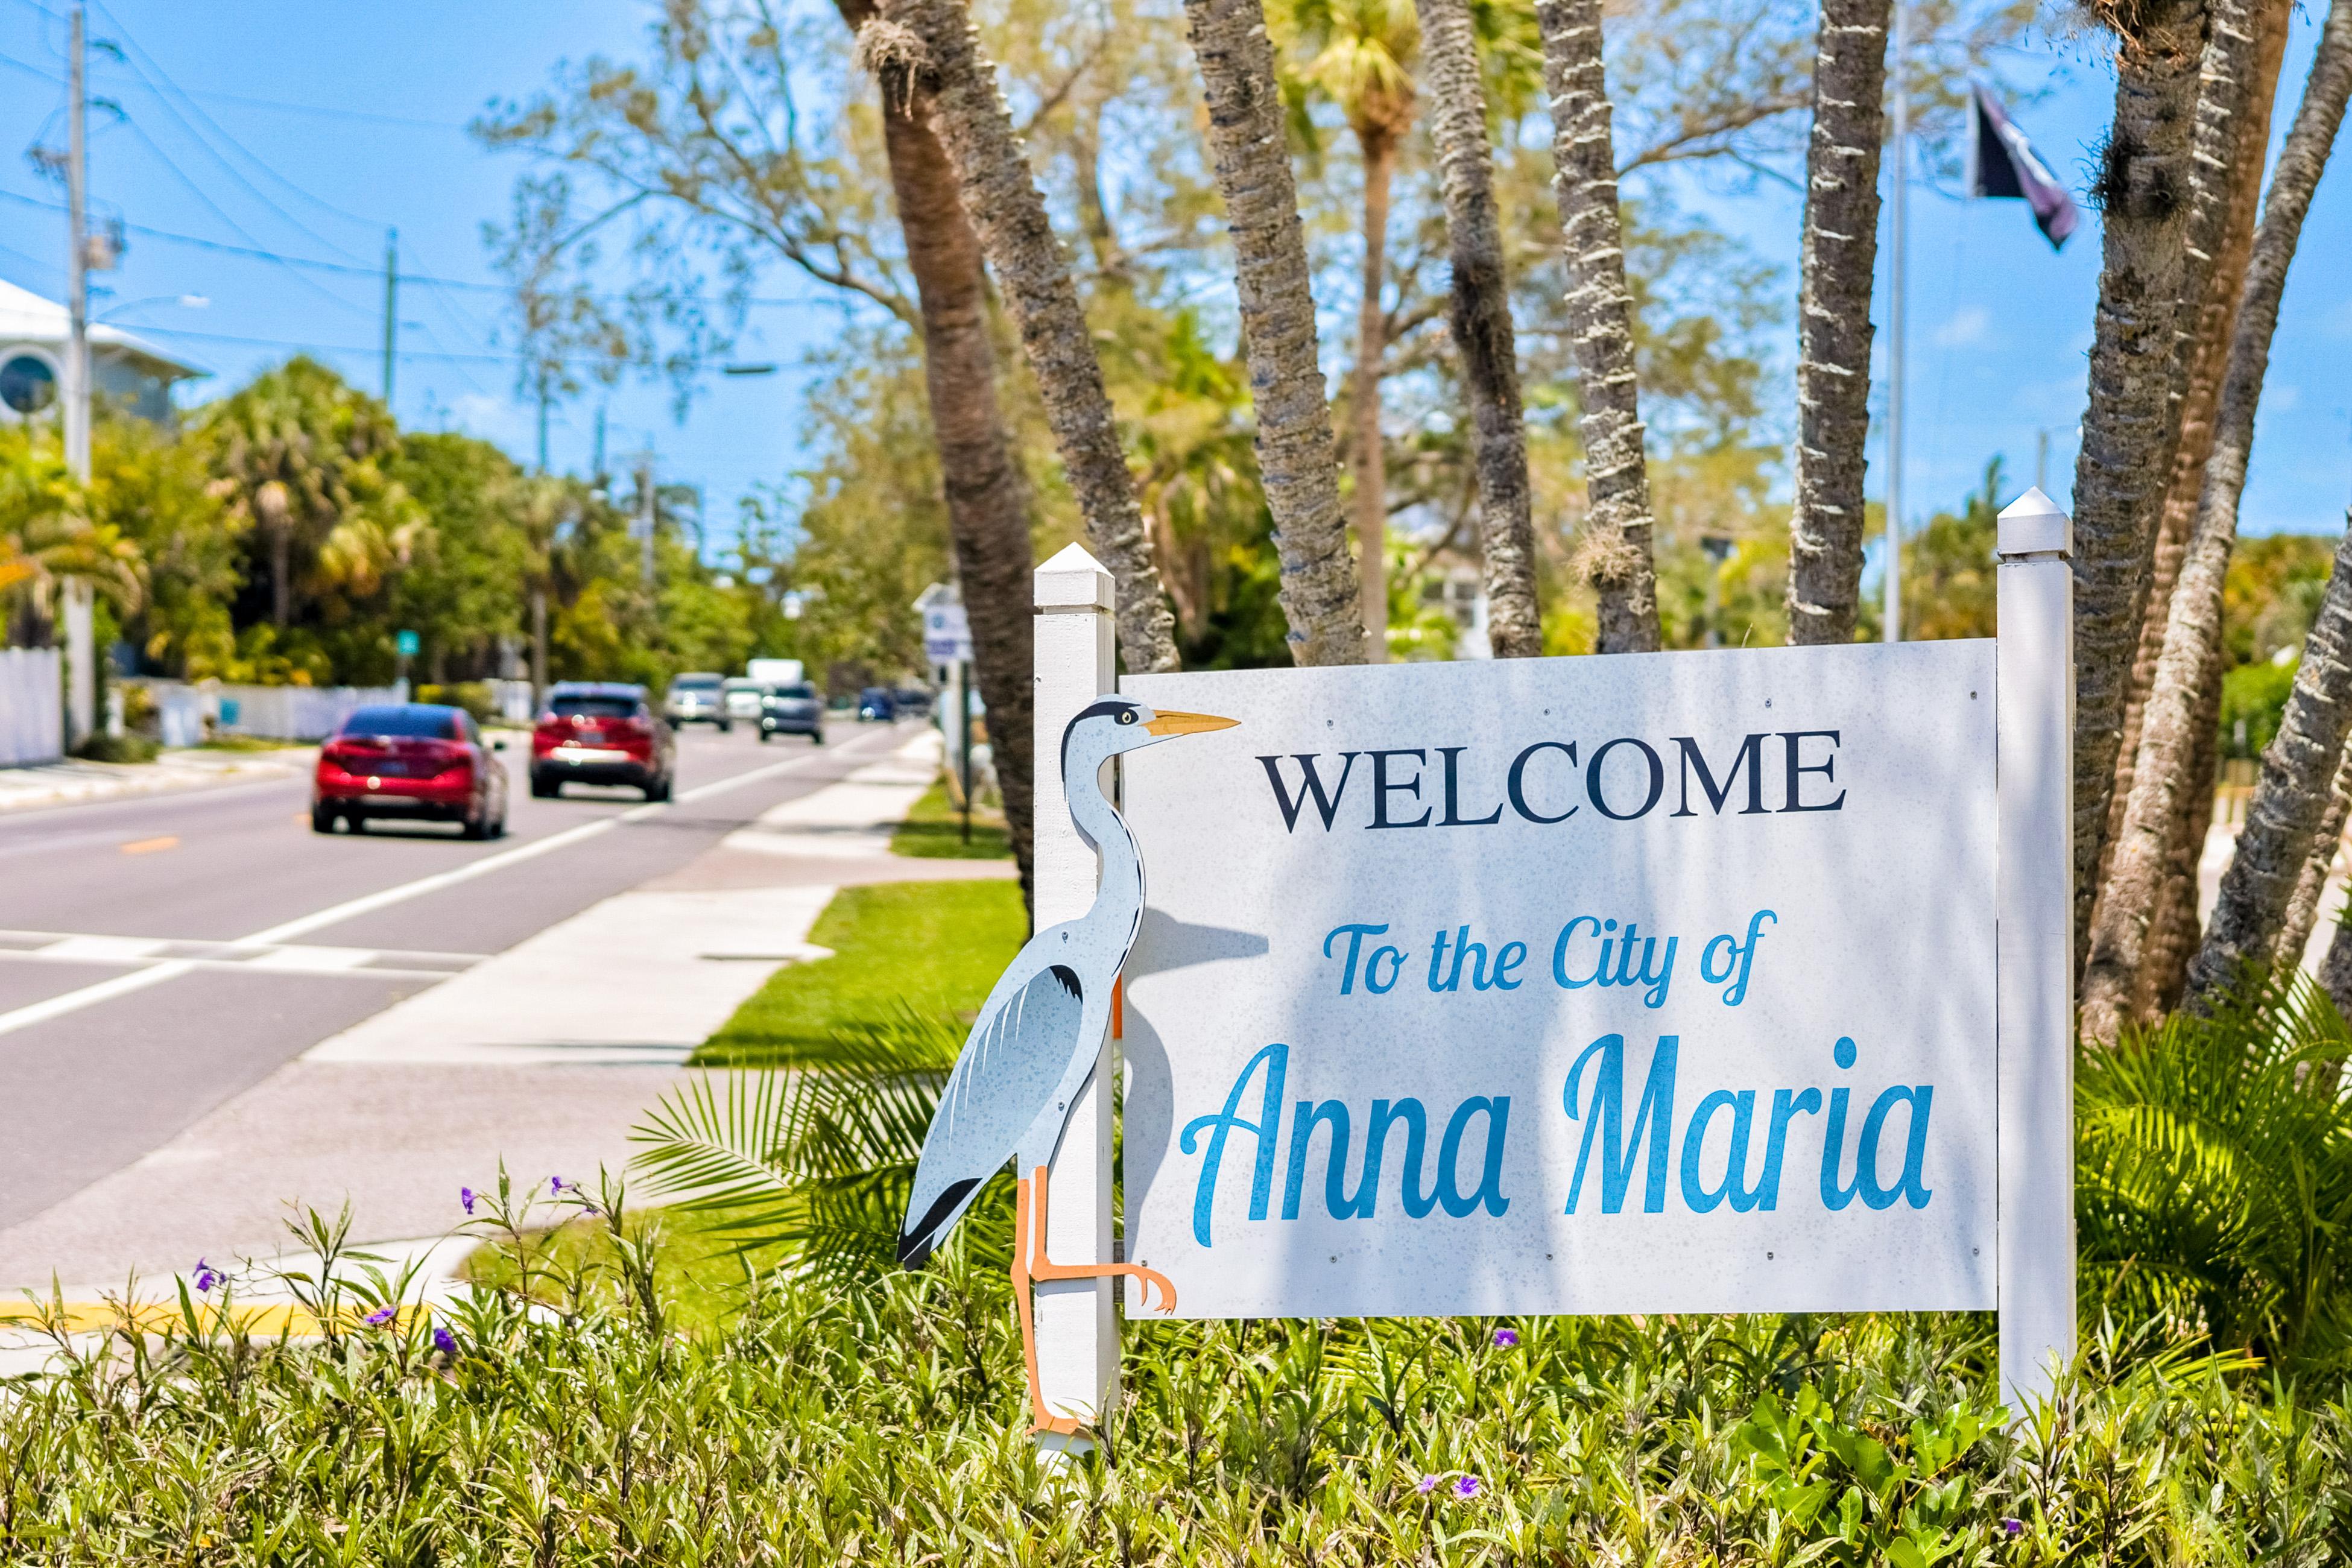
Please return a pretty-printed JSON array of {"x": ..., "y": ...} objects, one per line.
[{"x": 1019, "y": 1049}]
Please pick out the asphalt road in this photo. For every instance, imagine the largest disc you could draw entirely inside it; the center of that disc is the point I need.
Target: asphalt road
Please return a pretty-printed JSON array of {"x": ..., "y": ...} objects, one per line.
[{"x": 158, "y": 956}]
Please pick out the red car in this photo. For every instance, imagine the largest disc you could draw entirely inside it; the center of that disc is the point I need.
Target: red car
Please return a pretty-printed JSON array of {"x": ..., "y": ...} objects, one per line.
[
  {"x": 411, "y": 760},
  {"x": 602, "y": 733}
]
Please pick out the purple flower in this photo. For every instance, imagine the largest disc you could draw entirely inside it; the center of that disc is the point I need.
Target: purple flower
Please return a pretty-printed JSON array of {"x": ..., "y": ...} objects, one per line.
[
  {"x": 466, "y": 1195},
  {"x": 2012, "y": 1527},
  {"x": 1426, "y": 1485},
  {"x": 1467, "y": 1487},
  {"x": 555, "y": 1185},
  {"x": 1507, "y": 1338},
  {"x": 378, "y": 1318},
  {"x": 444, "y": 1342},
  {"x": 206, "y": 1276}
]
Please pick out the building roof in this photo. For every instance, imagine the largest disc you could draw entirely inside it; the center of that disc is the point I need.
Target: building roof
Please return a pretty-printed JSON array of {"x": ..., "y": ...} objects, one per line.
[{"x": 27, "y": 317}]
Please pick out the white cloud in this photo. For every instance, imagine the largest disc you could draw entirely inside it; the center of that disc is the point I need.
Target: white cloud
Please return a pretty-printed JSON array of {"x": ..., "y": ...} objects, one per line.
[{"x": 1970, "y": 325}]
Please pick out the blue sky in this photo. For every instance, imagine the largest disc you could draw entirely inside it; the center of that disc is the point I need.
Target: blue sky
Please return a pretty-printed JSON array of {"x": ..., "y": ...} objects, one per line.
[{"x": 307, "y": 130}]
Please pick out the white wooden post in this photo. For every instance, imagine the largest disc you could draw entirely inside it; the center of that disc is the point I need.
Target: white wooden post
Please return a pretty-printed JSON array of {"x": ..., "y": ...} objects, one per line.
[
  {"x": 2034, "y": 729},
  {"x": 1077, "y": 1336}
]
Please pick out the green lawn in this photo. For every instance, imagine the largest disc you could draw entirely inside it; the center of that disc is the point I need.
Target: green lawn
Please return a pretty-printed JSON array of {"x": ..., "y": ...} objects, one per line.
[
  {"x": 934, "y": 946},
  {"x": 934, "y": 831}
]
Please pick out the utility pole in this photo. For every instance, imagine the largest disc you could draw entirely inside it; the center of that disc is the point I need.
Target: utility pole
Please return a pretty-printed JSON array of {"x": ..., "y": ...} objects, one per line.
[
  {"x": 597, "y": 473},
  {"x": 1894, "y": 334},
  {"x": 646, "y": 516},
  {"x": 542, "y": 419},
  {"x": 81, "y": 669},
  {"x": 391, "y": 308}
]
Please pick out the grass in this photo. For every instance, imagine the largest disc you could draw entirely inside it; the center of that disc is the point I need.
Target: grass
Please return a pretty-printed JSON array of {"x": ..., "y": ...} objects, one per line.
[
  {"x": 936, "y": 947},
  {"x": 934, "y": 831},
  {"x": 232, "y": 743}
]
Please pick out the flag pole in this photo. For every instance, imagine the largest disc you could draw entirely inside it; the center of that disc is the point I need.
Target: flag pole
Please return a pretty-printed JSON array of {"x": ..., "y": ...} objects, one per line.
[{"x": 1896, "y": 270}]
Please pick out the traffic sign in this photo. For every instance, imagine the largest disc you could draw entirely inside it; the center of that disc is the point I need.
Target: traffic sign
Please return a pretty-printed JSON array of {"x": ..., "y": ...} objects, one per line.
[{"x": 405, "y": 644}]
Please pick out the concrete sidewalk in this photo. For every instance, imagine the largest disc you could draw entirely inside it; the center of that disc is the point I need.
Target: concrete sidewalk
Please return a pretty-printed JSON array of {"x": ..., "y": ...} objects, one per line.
[
  {"x": 543, "y": 1055},
  {"x": 74, "y": 782}
]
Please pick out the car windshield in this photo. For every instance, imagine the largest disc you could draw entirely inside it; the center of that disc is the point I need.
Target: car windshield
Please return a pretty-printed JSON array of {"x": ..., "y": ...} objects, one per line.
[
  {"x": 592, "y": 708},
  {"x": 803, "y": 693},
  {"x": 415, "y": 720}
]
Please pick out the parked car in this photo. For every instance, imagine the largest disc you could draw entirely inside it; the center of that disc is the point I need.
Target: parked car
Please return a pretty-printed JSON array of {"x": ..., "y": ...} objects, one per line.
[
  {"x": 420, "y": 761},
  {"x": 792, "y": 709},
  {"x": 742, "y": 698},
  {"x": 914, "y": 701},
  {"x": 698, "y": 697},
  {"x": 875, "y": 703},
  {"x": 602, "y": 733}
]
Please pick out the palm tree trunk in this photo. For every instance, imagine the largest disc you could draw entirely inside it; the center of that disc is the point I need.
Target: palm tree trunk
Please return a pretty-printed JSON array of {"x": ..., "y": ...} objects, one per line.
[
  {"x": 2175, "y": 930},
  {"x": 987, "y": 496},
  {"x": 2216, "y": 321},
  {"x": 2298, "y": 771},
  {"x": 2303, "y": 908},
  {"x": 933, "y": 41},
  {"x": 2164, "y": 777},
  {"x": 1481, "y": 323},
  {"x": 1296, "y": 462},
  {"x": 1369, "y": 459},
  {"x": 1833, "y": 331},
  {"x": 2336, "y": 969},
  {"x": 1617, "y": 550},
  {"x": 2131, "y": 419}
]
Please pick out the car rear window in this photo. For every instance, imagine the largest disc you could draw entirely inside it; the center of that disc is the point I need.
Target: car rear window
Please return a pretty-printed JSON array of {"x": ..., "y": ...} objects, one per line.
[
  {"x": 416, "y": 720},
  {"x": 694, "y": 683},
  {"x": 594, "y": 708},
  {"x": 803, "y": 693}
]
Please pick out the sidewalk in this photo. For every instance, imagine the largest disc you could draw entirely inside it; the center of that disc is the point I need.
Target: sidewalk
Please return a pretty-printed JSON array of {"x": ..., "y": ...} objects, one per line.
[
  {"x": 544, "y": 1055},
  {"x": 73, "y": 783}
]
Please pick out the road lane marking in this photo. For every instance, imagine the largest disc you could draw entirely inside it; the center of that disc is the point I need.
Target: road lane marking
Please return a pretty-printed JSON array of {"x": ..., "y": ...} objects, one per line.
[
  {"x": 171, "y": 969},
  {"x": 149, "y": 846}
]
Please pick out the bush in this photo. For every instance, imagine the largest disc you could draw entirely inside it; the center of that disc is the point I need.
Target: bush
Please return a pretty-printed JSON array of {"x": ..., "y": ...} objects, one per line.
[
  {"x": 2253, "y": 705},
  {"x": 824, "y": 1426},
  {"x": 474, "y": 696},
  {"x": 102, "y": 747}
]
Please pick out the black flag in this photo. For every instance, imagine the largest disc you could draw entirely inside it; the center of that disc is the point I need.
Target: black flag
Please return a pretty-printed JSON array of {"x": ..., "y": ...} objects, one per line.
[{"x": 2002, "y": 162}]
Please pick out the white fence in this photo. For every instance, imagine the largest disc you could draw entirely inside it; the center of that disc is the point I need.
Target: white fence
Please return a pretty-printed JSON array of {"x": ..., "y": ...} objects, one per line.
[
  {"x": 32, "y": 707},
  {"x": 186, "y": 713}
]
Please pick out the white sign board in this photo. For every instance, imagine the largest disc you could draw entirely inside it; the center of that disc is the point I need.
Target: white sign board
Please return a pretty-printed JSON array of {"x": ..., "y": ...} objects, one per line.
[
  {"x": 1658, "y": 982},
  {"x": 947, "y": 635}
]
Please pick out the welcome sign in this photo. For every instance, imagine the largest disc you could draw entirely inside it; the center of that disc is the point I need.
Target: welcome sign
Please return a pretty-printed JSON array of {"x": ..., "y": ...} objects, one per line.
[{"x": 1645, "y": 983}]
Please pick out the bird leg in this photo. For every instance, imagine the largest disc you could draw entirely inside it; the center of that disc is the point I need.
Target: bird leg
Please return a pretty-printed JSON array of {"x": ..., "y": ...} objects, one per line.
[{"x": 1030, "y": 1262}]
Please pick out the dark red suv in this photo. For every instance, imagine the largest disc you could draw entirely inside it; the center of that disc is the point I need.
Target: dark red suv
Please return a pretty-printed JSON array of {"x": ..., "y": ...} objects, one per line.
[
  {"x": 598, "y": 731},
  {"x": 411, "y": 760}
]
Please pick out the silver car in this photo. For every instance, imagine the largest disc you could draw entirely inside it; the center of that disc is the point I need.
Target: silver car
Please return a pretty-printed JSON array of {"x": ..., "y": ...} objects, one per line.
[
  {"x": 698, "y": 697},
  {"x": 740, "y": 698}
]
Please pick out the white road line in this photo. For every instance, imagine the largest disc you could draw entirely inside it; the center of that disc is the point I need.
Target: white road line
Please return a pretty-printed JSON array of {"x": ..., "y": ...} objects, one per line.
[{"x": 171, "y": 969}]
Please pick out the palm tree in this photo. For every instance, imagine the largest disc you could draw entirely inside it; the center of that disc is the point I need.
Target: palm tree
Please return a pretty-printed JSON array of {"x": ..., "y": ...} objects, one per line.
[
  {"x": 1480, "y": 320},
  {"x": 934, "y": 40},
  {"x": 2130, "y": 424},
  {"x": 1363, "y": 56},
  {"x": 1841, "y": 248},
  {"x": 1617, "y": 545},
  {"x": 1296, "y": 463},
  {"x": 987, "y": 494},
  {"x": 2164, "y": 774}
]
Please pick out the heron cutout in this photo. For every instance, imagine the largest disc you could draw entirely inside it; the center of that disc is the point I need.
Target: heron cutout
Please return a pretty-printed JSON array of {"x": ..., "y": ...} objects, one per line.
[{"x": 1035, "y": 1044}]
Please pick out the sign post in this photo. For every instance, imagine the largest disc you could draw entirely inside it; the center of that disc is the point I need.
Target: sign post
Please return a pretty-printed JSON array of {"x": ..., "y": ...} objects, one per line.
[
  {"x": 1077, "y": 1336},
  {"x": 2036, "y": 677}
]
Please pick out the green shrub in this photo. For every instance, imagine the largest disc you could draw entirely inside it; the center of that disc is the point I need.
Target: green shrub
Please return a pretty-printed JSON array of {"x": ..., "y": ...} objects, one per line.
[
  {"x": 474, "y": 696},
  {"x": 2253, "y": 705},
  {"x": 102, "y": 747},
  {"x": 824, "y": 1426}
]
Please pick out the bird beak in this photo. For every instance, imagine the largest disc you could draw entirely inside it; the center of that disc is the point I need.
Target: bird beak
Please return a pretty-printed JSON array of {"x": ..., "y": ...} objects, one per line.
[{"x": 1173, "y": 723}]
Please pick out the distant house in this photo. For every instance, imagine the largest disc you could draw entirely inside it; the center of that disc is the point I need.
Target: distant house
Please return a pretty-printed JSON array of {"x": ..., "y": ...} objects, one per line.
[{"x": 128, "y": 372}]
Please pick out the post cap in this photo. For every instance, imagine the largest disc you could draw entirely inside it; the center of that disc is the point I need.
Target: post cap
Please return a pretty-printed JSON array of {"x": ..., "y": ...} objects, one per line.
[
  {"x": 1073, "y": 580},
  {"x": 2034, "y": 524}
]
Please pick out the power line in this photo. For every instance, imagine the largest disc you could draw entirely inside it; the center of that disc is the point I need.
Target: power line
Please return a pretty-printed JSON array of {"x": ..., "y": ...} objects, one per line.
[
  {"x": 256, "y": 253},
  {"x": 164, "y": 77},
  {"x": 199, "y": 193},
  {"x": 373, "y": 350}
]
